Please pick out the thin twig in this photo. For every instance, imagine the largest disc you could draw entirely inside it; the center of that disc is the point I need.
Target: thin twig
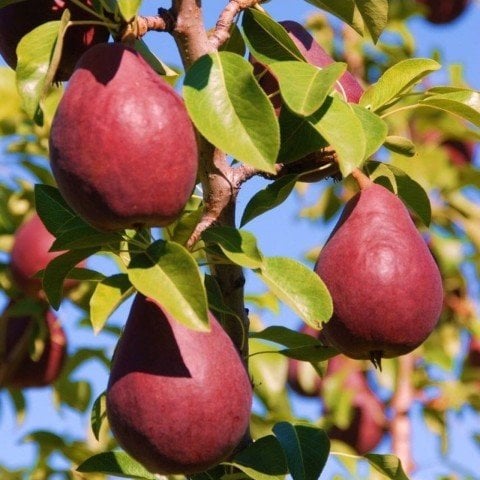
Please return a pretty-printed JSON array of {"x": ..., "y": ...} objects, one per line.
[{"x": 163, "y": 22}]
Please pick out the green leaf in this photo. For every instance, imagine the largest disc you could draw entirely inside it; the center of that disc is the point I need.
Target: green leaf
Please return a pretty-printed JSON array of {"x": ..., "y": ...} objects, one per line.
[
  {"x": 267, "y": 40},
  {"x": 304, "y": 87},
  {"x": 299, "y": 287},
  {"x": 374, "y": 128},
  {"x": 99, "y": 415},
  {"x": 115, "y": 463},
  {"x": 270, "y": 197},
  {"x": 58, "y": 269},
  {"x": 396, "y": 81},
  {"x": 348, "y": 141},
  {"x": 346, "y": 10},
  {"x": 109, "y": 294},
  {"x": 160, "y": 67},
  {"x": 375, "y": 16},
  {"x": 38, "y": 55},
  {"x": 230, "y": 109},
  {"x": 129, "y": 8},
  {"x": 306, "y": 449},
  {"x": 285, "y": 336},
  {"x": 262, "y": 460},
  {"x": 235, "y": 42},
  {"x": 167, "y": 273},
  {"x": 401, "y": 145},
  {"x": 83, "y": 236},
  {"x": 238, "y": 246},
  {"x": 215, "y": 298},
  {"x": 410, "y": 191},
  {"x": 465, "y": 104},
  {"x": 52, "y": 208},
  {"x": 389, "y": 465}
]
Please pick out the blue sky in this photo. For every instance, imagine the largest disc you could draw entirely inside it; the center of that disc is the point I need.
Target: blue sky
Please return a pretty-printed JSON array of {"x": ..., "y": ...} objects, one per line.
[{"x": 279, "y": 233}]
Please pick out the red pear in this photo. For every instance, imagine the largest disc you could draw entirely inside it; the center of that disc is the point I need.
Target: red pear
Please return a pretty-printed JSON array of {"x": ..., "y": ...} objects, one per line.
[
  {"x": 26, "y": 372},
  {"x": 18, "y": 19},
  {"x": 122, "y": 146},
  {"x": 178, "y": 400},
  {"x": 30, "y": 254},
  {"x": 386, "y": 287},
  {"x": 444, "y": 11},
  {"x": 367, "y": 426}
]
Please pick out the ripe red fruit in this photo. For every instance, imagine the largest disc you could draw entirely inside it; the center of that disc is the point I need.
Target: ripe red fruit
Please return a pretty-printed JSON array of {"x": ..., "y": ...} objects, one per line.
[
  {"x": 18, "y": 19},
  {"x": 25, "y": 372},
  {"x": 367, "y": 426},
  {"x": 178, "y": 400},
  {"x": 122, "y": 146},
  {"x": 386, "y": 288},
  {"x": 30, "y": 254},
  {"x": 444, "y": 11}
]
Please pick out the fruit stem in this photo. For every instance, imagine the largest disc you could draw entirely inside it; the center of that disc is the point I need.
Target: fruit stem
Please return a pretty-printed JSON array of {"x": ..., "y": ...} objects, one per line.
[{"x": 362, "y": 179}]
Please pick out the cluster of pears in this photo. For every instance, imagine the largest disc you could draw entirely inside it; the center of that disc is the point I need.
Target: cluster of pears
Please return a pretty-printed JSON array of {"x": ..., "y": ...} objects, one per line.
[
  {"x": 20, "y": 18},
  {"x": 27, "y": 320},
  {"x": 124, "y": 154},
  {"x": 366, "y": 426}
]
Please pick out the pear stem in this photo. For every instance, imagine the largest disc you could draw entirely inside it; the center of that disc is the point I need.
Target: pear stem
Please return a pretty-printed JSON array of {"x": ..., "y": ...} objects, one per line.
[
  {"x": 362, "y": 179},
  {"x": 400, "y": 426}
]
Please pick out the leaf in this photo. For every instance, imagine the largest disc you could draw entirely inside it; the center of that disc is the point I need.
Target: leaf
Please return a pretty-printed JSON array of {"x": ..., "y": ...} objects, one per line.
[
  {"x": 109, "y": 294},
  {"x": 58, "y": 269},
  {"x": 215, "y": 298},
  {"x": 346, "y": 10},
  {"x": 4, "y": 3},
  {"x": 83, "y": 236},
  {"x": 52, "y": 208},
  {"x": 304, "y": 87},
  {"x": 267, "y": 40},
  {"x": 349, "y": 141},
  {"x": 396, "y": 81},
  {"x": 299, "y": 287},
  {"x": 401, "y": 145},
  {"x": 306, "y": 449},
  {"x": 99, "y": 415},
  {"x": 410, "y": 191},
  {"x": 465, "y": 104},
  {"x": 238, "y": 246},
  {"x": 375, "y": 16},
  {"x": 389, "y": 465},
  {"x": 374, "y": 128},
  {"x": 160, "y": 67},
  {"x": 285, "y": 336},
  {"x": 167, "y": 273},
  {"x": 115, "y": 463},
  {"x": 270, "y": 197},
  {"x": 129, "y": 8},
  {"x": 230, "y": 109},
  {"x": 38, "y": 55},
  {"x": 262, "y": 460}
]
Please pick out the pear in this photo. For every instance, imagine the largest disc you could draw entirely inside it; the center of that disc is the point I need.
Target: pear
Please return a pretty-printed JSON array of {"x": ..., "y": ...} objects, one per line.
[
  {"x": 18, "y": 369},
  {"x": 122, "y": 147},
  {"x": 386, "y": 287},
  {"x": 441, "y": 12},
  {"x": 30, "y": 254},
  {"x": 18, "y": 19},
  {"x": 178, "y": 400},
  {"x": 367, "y": 425}
]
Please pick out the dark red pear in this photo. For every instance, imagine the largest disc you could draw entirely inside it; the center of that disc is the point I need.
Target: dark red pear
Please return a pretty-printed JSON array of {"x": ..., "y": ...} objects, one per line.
[
  {"x": 385, "y": 285},
  {"x": 122, "y": 147},
  {"x": 18, "y": 19},
  {"x": 178, "y": 400},
  {"x": 19, "y": 369},
  {"x": 444, "y": 11},
  {"x": 30, "y": 254},
  {"x": 367, "y": 425}
]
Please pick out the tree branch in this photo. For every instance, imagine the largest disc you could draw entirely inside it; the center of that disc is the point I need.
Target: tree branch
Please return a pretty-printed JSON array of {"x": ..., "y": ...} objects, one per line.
[
  {"x": 163, "y": 22},
  {"x": 400, "y": 426}
]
